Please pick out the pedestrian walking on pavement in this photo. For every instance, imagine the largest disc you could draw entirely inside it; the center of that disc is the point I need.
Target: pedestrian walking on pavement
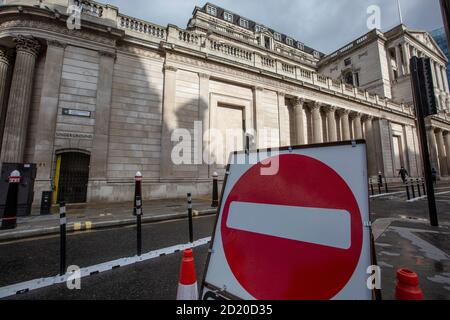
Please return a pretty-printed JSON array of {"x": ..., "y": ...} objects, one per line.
[
  {"x": 403, "y": 173},
  {"x": 434, "y": 175}
]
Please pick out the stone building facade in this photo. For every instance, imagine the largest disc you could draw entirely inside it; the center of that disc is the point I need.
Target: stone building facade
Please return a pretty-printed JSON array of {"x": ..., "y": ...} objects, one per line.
[{"x": 102, "y": 102}]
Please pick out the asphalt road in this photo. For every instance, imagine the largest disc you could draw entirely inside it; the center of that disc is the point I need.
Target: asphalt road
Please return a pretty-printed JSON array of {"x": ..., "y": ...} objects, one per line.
[
  {"x": 36, "y": 258},
  {"x": 151, "y": 280},
  {"x": 396, "y": 206},
  {"x": 155, "y": 279}
]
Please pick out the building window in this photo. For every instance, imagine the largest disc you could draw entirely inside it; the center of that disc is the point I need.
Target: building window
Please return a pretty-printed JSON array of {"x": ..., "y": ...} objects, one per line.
[
  {"x": 316, "y": 54},
  {"x": 348, "y": 78},
  {"x": 228, "y": 16},
  {"x": 211, "y": 10},
  {"x": 243, "y": 23},
  {"x": 356, "y": 78},
  {"x": 348, "y": 62},
  {"x": 300, "y": 46},
  {"x": 289, "y": 41},
  {"x": 267, "y": 43},
  {"x": 277, "y": 36},
  {"x": 258, "y": 28}
]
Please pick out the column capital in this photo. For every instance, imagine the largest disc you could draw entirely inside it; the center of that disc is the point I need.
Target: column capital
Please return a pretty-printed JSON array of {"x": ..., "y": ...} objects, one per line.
[
  {"x": 56, "y": 43},
  {"x": 344, "y": 112},
  {"x": 4, "y": 56},
  {"x": 330, "y": 109},
  {"x": 298, "y": 102},
  {"x": 204, "y": 76},
  {"x": 27, "y": 44},
  {"x": 258, "y": 88},
  {"x": 316, "y": 106},
  {"x": 367, "y": 117},
  {"x": 355, "y": 114},
  {"x": 170, "y": 68},
  {"x": 107, "y": 54}
]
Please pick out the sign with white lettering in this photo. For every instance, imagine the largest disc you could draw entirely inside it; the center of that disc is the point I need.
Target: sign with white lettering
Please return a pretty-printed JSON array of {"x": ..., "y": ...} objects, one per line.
[
  {"x": 296, "y": 231},
  {"x": 77, "y": 113}
]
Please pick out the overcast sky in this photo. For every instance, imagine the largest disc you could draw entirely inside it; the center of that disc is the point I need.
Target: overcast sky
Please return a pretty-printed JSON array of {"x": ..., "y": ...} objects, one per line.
[{"x": 325, "y": 25}]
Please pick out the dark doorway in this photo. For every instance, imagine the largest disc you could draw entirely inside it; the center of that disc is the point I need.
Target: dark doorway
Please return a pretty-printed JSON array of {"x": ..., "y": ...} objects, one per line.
[{"x": 73, "y": 177}]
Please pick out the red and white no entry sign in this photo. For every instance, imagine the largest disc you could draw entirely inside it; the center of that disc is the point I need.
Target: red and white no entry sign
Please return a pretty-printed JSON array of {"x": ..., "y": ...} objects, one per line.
[{"x": 295, "y": 235}]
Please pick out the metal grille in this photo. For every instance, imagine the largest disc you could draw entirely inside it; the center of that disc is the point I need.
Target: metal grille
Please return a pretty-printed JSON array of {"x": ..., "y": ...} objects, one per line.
[{"x": 74, "y": 177}]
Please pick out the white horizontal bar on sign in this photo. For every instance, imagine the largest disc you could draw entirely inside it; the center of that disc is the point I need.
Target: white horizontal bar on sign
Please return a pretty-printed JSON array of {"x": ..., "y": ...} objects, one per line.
[{"x": 327, "y": 227}]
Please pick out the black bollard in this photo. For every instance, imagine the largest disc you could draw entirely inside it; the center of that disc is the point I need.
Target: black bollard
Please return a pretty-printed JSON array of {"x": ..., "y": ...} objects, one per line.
[
  {"x": 407, "y": 190},
  {"x": 418, "y": 187},
  {"x": 191, "y": 227},
  {"x": 9, "y": 220},
  {"x": 413, "y": 189},
  {"x": 423, "y": 187},
  {"x": 371, "y": 187},
  {"x": 62, "y": 238},
  {"x": 138, "y": 211},
  {"x": 215, "y": 193}
]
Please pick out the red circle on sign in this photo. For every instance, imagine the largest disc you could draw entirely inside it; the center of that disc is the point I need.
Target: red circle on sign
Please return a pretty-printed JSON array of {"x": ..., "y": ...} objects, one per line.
[{"x": 272, "y": 268}]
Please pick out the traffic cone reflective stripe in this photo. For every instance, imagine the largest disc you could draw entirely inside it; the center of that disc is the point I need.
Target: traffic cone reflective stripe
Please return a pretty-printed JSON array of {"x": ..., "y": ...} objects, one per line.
[
  {"x": 187, "y": 286},
  {"x": 408, "y": 286}
]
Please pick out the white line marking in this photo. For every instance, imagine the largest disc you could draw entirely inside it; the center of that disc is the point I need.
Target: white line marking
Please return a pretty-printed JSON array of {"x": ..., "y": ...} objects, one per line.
[
  {"x": 327, "y": 227},
  {"x": 424, "y": 197},
  {"x": 386, "y": 194},
  {"x": 86, "y": 272}
]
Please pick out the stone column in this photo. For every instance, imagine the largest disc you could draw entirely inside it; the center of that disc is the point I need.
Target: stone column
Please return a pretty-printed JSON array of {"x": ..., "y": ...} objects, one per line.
[
  {"x": 434, "y": 75},
  {"x": 299, "y": 120},
  {"x": 433, "y": 148},
  {"x": 438, "y": 76},
  {"x": 258, "y": 116},
  {"x": 331, "y": 123},
  {"x": 357, "y": 125},
  {"x": 371, "y": 150},
  {"x": 5, "y": 60},
  {"x": 48, "y": 113},
  {"x": 204, "y": 118},
  {"x": 447, "y": 148},
  {"x": 99, "y": 156},
  {"x": 445, "y": 79},
  {"x": 317, "y": 122},
  {"x": 441, "y": 153},
  {"x": 345, "y": 124},
  {"x": 169, "y": 121},
  {"x": 399, "y": 61},
  {"x": 19, "y": 100},
  {"x": 407, "y": 55}
]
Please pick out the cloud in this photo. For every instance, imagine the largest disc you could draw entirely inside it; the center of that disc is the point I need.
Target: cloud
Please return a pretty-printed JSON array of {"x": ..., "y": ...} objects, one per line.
[{"x": 325, "y": 25}]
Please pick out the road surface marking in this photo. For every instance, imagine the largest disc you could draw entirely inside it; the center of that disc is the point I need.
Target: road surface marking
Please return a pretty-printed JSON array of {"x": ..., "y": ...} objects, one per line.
[
  {"x": 385, "y": 194},
  {"x": 424, "y": 197},
  {"x": 28, "y": 286},
  {"x": 293, "y": 223}
]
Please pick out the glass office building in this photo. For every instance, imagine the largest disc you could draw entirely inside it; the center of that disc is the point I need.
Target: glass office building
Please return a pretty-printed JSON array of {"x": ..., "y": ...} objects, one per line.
[{"x": 441, "y": 38}]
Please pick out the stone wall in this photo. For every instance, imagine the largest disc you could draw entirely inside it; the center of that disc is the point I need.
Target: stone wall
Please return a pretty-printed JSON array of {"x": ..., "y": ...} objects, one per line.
[{"x": 136, "y": 116}]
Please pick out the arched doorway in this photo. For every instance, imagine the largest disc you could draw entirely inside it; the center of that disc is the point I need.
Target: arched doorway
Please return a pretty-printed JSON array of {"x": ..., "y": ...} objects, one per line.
[{"x": 72, "y": 177}]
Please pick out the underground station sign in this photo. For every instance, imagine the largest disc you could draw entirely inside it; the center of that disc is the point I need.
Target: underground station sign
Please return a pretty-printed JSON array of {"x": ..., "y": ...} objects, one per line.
[{"x": 293, "y": 225}]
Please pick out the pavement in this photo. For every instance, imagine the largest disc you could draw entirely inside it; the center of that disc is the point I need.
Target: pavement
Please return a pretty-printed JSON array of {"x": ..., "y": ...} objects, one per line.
[{"x": 85, "y": 217}]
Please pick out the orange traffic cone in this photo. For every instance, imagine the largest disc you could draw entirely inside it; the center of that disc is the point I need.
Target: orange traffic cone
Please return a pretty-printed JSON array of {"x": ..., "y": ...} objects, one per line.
[
  {"x": 187, "y": 286},
  {"x": 408, "y": 286}
]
